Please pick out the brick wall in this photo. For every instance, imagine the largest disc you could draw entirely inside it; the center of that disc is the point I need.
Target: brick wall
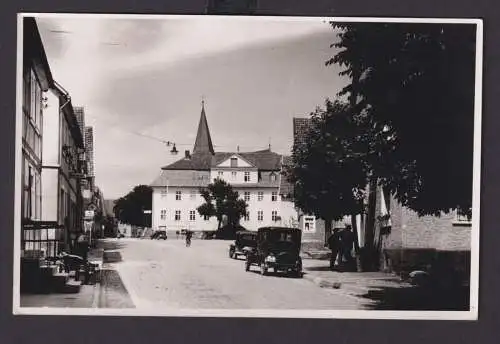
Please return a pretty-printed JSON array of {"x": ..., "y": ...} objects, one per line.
[
  {"x": 437, "y": 232},
  {"x": 417, "y": 242}
]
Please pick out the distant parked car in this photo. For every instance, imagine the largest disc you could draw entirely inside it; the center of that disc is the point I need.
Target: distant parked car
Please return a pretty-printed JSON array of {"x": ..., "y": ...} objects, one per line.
[{"x": 159, "y": 235}]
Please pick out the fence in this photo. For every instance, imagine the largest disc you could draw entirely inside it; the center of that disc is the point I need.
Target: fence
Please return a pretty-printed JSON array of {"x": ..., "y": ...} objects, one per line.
[{"x": 41, "y": 238}]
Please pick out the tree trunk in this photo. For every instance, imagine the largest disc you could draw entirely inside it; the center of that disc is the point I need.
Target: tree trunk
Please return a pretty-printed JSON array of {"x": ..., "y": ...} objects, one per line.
[
  {"x": 354, "y": 223},
  {"x": 328, "y": 229},
  {"x": 369, "y": 246}
]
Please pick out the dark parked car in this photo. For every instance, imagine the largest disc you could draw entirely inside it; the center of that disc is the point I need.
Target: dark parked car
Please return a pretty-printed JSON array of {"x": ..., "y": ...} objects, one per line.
[
  {"x": 278, "y": 248},
  {"x": 244, "y": 243},
  {"x": 159, "y": 235}
]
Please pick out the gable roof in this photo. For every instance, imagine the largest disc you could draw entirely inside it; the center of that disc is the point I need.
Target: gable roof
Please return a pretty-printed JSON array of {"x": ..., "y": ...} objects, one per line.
[
  {"x": 265, "y": 160},
  {"x": 235, "y": 155}
]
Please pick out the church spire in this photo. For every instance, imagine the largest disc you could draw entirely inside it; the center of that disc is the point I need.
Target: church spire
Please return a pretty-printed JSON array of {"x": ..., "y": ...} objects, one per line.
[{"x": 203, "y": 143}]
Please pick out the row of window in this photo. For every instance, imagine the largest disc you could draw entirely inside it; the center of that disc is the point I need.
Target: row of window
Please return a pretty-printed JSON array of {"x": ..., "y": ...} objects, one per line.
[
  {"x": 32, "y": 112},
  {"x": 192, "y": 215},
  {"x": 246, "y": 176},
  {"x": 32, "y": 192},
  {"x": 246, "y": 195}
]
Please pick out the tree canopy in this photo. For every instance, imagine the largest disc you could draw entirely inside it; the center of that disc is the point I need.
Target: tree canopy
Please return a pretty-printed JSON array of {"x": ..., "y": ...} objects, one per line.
[
  {"x": 329, "y": 177},
  {"x": 414, "y": 102},
  {"x": 221, "y": 200},
  {"x": 130, "y": 208}
]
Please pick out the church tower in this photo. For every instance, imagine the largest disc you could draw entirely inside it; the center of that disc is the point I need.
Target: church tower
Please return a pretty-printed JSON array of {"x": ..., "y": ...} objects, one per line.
[{"x": 203, "y": 143}]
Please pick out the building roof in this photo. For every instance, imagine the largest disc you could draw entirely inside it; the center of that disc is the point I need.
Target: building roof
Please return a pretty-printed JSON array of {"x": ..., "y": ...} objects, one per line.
[
  {"x": 194, "y": 178},
  {"x": 203, "y": 142},
  {"x": 193, "y": 169},
  {"x": 197, "y": 179},
  {"x": 68, "y": 110},
  {"x": 34, "y": 53},
  {"x": 264, "y": 160}
]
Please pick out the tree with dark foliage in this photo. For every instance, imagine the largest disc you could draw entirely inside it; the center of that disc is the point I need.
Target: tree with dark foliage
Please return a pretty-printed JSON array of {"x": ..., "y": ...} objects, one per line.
[
  {"x": 328, "y": 175},
  {"x": 413, "y": 86},
  {"x": 130, "y": 208},
  {"x": 221, "y": 200}
]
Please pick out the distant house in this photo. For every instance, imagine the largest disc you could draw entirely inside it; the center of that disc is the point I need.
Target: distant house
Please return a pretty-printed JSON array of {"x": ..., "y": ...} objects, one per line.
[{"x": 256, "y": 176}]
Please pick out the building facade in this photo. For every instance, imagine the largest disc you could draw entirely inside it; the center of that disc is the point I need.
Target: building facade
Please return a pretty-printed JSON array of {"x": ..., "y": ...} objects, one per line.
[
  {"x": 37, "y": 80},
  {"x": 256, "y": 176},
  {"x": 62, "y": 170},
  {"x": 89, "y": 155}
]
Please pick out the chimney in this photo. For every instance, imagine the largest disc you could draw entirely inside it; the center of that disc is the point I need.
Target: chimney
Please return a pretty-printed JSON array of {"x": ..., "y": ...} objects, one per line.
[{"x": 187, "y": 155}]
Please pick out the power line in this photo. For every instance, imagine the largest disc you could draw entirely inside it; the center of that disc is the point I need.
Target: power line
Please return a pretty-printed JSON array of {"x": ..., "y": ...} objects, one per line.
[{"x": 168, "y": 143}]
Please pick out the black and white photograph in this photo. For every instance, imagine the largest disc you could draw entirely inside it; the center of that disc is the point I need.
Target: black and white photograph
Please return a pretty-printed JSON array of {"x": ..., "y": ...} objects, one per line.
[{"x": 247, "y": 166}]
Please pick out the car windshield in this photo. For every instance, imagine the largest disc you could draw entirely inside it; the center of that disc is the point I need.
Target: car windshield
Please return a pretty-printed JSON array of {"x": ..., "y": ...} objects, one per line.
[{"x": 280, "y": 239}]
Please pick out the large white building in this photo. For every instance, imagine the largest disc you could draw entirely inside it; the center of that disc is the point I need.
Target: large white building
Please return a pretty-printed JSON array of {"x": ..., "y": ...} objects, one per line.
[{"x": 256, "y": 176}]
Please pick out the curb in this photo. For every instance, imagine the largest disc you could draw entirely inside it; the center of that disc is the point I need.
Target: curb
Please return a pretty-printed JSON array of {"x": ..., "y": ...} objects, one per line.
[{"x": 323, "y": 283}]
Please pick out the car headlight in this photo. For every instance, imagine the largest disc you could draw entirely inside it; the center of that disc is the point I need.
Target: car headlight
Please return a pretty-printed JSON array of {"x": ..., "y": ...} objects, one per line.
[{"x": 270, "y": 259}]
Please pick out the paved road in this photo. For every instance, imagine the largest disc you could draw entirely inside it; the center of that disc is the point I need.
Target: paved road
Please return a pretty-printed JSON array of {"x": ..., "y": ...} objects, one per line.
[{"x": 166, "y": 274}]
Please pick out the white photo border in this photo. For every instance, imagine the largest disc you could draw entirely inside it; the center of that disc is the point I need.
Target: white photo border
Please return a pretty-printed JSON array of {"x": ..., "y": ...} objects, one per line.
[{"x": 472, "y": 314}]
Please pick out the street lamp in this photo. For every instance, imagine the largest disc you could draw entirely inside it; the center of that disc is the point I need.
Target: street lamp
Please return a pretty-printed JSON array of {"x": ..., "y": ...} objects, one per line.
[{"x": 174, "y": 150}]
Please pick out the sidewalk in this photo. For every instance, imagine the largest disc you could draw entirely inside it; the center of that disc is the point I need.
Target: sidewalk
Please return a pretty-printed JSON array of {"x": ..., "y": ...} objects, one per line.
[
  {"x": 360, "y": 285},
  {"x": 87, "y": 297},
  {"x": 383, "y": 291}
]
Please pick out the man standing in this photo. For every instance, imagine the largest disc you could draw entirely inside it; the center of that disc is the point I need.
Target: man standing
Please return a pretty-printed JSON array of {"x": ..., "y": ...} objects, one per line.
[{"x": 334, "y": 245}]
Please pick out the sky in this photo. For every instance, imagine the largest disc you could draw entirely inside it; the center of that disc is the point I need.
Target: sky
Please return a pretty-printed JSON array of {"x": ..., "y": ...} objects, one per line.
[{"x": 140, "y": 79}]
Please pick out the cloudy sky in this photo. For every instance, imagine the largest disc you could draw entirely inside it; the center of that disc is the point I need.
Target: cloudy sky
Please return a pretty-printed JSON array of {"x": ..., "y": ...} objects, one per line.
[{"x": 148, "y": 76}]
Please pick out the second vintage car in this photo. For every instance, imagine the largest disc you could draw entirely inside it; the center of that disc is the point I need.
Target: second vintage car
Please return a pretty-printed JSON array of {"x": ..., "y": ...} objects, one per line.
[
  {"x": 245, "y": 242},
  {"x": 278, "y": 248}
]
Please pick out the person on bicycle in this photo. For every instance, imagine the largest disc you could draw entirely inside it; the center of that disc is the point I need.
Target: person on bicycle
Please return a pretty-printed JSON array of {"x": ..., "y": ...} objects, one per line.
[{"x": 189, "y": 235}]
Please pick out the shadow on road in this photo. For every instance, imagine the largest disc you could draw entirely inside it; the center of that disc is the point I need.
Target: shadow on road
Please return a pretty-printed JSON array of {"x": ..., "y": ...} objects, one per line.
[
  {"x": 318, "y": 268},
  {"x": 114, "y": 294},
  {"x": 418, "y": 298},
  {"x": 275, "y": 274}
]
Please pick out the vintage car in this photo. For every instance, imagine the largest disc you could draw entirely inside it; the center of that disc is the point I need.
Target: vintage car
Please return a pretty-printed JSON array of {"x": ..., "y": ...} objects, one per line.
[
  {"x": 244, "y": 242},
  {"x": 159, "y": 235},
  {"x": 278, "y": 248}
]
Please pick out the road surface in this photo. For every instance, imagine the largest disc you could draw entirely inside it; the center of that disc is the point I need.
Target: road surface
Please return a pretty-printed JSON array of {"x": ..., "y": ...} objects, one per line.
[{"x": 164, "y": 274}]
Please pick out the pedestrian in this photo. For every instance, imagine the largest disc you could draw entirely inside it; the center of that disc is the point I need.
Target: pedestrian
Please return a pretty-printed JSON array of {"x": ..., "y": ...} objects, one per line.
[
  {"x": 189, "y": 235},
  {"x": 334, "y": 245}
]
